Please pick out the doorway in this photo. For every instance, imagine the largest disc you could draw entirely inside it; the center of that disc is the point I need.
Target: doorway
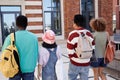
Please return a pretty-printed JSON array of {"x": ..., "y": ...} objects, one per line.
[
  {"x": 88, "y": 11},
  {"x": 8, "y": 16}
]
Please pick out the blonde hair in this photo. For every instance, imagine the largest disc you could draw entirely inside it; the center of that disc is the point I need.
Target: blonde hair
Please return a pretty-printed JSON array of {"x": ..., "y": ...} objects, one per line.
[{"x": 98, "y": 24}]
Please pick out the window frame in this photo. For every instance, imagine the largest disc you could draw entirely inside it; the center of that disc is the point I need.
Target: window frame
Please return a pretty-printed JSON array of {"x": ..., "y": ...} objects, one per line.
[
  {"x": 2, "y": 21},
  {"x": 52, "y": 10}
]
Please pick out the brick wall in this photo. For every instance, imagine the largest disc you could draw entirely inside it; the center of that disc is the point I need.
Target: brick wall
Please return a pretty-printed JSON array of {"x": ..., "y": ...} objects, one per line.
[
  {"x": 33, "y": 10},
  {"x": 71, "y": 7},
  {"x": 106, "y": 11},
  {"x": 114, "y": 6}
]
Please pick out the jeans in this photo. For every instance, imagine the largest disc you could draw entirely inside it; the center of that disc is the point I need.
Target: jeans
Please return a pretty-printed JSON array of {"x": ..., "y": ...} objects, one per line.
[
  {"x": 74, "y": 71},
  {"x": 23, "y": 76},
  {"x": 48, "y": 72}
]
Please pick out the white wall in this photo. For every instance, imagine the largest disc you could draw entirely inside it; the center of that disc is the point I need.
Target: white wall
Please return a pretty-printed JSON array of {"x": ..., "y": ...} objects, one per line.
[{"x": 96, "y": 8}]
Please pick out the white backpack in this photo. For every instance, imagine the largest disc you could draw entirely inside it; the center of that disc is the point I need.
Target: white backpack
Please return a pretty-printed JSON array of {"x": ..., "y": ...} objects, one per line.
[{"x": 84, "y": 46}]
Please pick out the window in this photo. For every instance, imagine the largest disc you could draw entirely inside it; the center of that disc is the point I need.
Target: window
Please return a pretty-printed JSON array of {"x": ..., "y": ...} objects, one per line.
[
  {"x": 52, "y": 16},
  {"x": 10, "y": 8},
  {"x": 88, "y": 11},
  {"x": 8, "y": 15}
]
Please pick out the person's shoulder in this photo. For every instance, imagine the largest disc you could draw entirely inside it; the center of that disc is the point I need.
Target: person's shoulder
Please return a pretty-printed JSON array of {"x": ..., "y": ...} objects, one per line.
[
  {"x": 8, "y": 37},
  {"x": 32, "y": 34},
  {"x": 86, "y": 30},
  {"x": 42, "y": 48},
  {"x": 73, "y": 32}
]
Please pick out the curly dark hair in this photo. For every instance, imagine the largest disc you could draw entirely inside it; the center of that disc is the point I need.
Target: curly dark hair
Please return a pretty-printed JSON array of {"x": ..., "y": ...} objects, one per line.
[{"x": 98, "y": 24}]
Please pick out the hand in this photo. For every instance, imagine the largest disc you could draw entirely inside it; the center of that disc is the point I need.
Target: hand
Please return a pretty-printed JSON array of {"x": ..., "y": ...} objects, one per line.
[
  {"x": 39, "y": 75},
  {"x": 39, "y": 71}
]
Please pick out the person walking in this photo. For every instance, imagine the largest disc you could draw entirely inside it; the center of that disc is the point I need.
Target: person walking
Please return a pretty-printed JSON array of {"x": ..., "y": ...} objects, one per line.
[
  {"x": 49, "y": 54},
  {"x": 27, "y": 45},
  {"x": 101, "y": 36},
  {"x": 78, "y": 66}
]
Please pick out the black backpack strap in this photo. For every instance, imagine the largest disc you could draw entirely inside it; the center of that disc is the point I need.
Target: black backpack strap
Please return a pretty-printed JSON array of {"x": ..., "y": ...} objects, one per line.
[
  {"x": 14, "y": 39},
  {"x": 16, "y": 55}
]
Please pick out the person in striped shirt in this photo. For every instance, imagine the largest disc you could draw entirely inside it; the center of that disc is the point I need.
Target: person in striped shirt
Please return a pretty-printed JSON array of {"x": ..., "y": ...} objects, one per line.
[{"x": 78, "y": 66}]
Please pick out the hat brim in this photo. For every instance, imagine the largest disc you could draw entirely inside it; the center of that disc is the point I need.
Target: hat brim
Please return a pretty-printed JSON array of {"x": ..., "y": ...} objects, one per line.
[{"x": 47, "y": 40}]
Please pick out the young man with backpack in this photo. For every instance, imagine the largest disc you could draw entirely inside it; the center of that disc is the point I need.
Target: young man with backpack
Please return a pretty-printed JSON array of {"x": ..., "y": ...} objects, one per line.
[
  {"x": 27, "y": 46},
  {"x": 80, "y": 44}
]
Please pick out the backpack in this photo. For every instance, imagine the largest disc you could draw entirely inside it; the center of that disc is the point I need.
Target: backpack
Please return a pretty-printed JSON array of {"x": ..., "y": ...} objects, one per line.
[
  {"x": 9, "y": 59},
  {"x": 110, "y": 51},
  {"x": 84, "y": 46}
]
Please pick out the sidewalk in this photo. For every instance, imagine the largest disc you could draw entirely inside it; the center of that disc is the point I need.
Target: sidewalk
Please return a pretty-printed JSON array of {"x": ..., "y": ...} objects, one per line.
[{"x": 62, "y": 43}]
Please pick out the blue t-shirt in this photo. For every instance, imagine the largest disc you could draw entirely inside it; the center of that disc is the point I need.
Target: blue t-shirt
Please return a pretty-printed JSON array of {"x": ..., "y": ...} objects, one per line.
[{"x": 27, "y": 45}]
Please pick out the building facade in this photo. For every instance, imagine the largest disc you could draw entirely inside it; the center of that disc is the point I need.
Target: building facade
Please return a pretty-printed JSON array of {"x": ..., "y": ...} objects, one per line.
[
  {"x": 116, "y": 13},
  {"x": 52, "y": 14}
]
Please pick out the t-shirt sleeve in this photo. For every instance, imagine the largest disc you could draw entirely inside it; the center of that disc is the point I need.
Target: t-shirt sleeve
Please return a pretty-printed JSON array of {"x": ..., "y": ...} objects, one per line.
[
  {"x": 6, "y": 42},
  {"x": 40, "y": 59}
]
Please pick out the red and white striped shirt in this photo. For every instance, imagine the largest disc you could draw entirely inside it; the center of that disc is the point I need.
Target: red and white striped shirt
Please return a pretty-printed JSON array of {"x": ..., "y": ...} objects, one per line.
[{"x": 72, "y": 44}]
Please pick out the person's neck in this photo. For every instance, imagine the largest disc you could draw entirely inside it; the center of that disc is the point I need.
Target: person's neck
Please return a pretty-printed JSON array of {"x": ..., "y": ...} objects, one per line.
[
  {"x": 20, "y": 28},
  {"x": 78, "y": 27}
]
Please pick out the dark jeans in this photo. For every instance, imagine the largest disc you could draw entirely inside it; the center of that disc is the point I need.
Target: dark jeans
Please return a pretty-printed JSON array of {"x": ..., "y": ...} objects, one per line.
[
  {"x": 99, "y": 63},
  {"x": 23, "y": 76}
]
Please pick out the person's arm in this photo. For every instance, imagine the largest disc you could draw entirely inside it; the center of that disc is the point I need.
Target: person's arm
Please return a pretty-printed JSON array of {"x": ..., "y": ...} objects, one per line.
[
  {"x": 40, "y": 62},
  {"x": 72, "y": 44},
  {"x": 39, "y": 70}
]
